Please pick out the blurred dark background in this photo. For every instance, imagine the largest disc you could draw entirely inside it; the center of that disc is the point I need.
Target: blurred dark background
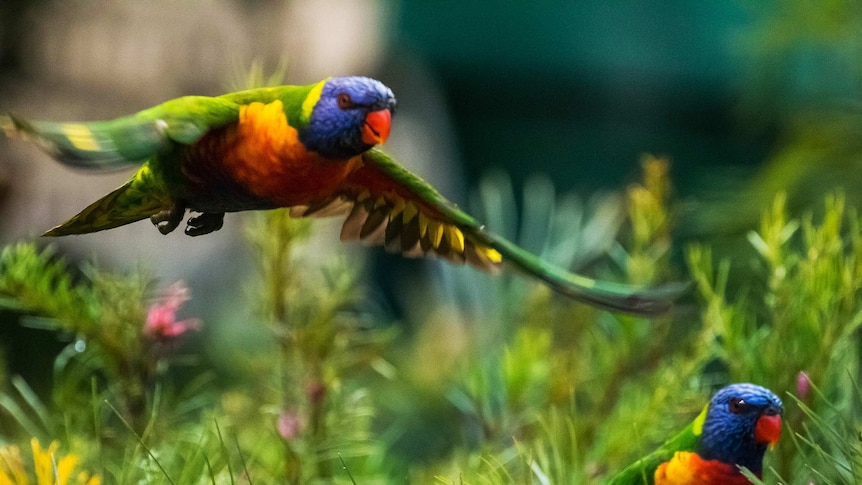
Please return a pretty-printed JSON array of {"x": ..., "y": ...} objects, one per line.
[
  {"x": 746, "y": 98},
  {"x": 580, "y": 90}
]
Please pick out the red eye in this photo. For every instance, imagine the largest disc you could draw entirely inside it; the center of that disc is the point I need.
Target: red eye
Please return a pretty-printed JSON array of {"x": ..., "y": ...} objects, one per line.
[
  {"x": 737, "y": 405},
  {"x": 344, "y": 101}
]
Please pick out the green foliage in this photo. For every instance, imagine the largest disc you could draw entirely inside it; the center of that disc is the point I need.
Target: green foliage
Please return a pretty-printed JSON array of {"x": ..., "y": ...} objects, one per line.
[
  {"x": 103, "y": 313},
  {"x": 500, "y": 381}
]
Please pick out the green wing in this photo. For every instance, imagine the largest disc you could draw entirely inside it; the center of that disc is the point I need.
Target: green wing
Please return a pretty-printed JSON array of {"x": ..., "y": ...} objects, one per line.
[
  {"x": 387, "y": 205},
  {"x": 136, "y": 139},
  {"x": 642, "y": 471}
]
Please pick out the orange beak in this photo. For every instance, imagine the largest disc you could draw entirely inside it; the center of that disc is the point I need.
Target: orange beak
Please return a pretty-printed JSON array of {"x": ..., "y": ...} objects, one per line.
[
  {"x": 768, "y": 429},
  {"x": 377, "y": 125}
]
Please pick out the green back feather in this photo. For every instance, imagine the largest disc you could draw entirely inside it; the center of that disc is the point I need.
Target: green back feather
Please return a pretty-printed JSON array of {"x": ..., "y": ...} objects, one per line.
[
  {"x": 293, "y": 98},
  {"x": 134, "y": 139},
  {"x": 642, "y": 471}
]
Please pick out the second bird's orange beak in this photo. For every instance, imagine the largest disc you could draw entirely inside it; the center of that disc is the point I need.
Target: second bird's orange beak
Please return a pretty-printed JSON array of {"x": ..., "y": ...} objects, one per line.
[
  {"x": 768, "y": 429},
  {"x": 377, "y": 125}
]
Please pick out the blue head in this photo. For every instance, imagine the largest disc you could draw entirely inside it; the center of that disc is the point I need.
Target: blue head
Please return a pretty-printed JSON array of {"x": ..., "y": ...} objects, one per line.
[
  {"x": 742, "y": 420},
  {"x": 352, "y": 115}
]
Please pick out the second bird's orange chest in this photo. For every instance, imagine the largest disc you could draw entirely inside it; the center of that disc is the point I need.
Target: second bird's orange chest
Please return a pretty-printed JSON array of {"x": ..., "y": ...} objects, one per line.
[{"x": 687, "y": 468}]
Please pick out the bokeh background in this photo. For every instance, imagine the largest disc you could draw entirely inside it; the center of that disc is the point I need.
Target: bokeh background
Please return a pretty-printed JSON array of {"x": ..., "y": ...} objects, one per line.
[
  {"x": 573, "y": 91},
  {"x": 746, "y": 98}
]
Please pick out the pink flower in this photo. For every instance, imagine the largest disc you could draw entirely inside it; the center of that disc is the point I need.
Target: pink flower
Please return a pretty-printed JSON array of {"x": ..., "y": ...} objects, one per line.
[
  {"x": 803, "y": 385},
  {"x": 162, "y": 321},
  {"x": 290, "y": 424}
]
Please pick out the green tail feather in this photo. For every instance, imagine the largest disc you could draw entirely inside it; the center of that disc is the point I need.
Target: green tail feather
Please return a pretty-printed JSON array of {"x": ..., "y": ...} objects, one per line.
[
  {"x": 98, "y": 216},
  {"x": 617, "y": 297}
]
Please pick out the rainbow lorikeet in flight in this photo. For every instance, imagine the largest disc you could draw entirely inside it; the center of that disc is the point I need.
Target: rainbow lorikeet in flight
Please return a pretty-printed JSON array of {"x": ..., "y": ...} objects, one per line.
[
  {"x": 732, "y": 431},
  {"x": 310, "y": 148}
]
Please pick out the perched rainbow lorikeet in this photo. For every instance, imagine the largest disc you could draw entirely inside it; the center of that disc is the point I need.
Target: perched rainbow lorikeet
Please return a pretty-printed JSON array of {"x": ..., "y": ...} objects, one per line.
[
  {"x": 310, "y": 148},
  {"x": 732, "y": 431}
]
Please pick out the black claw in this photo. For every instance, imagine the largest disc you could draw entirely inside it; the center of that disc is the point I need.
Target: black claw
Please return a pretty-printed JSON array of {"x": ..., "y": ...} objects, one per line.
[
  {"x": 169, "y": 219},
  {"x": 205, "y": 223}
]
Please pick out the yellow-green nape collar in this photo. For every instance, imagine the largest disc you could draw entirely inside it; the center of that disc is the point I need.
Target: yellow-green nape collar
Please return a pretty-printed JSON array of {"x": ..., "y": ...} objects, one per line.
[
  {"x": 312, "y": 99},
  {"x": 699, "y": 420}
]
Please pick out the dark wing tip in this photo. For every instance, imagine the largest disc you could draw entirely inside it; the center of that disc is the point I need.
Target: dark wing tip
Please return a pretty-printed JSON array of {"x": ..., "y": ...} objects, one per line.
[
  {"x": 642, "y": 302},
  {"x": 654, "y": 301}
]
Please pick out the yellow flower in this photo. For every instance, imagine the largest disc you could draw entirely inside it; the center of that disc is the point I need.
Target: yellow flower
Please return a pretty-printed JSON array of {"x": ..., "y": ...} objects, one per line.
[
  {"x": 49, "y": 470},
  {"x": 11, "y": 467}
]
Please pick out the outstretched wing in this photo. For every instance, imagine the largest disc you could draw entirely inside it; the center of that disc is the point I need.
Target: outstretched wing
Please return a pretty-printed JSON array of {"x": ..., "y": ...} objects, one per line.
[
  {"x": 128, "y": 140},
  {"x": 389, "y": 206}
]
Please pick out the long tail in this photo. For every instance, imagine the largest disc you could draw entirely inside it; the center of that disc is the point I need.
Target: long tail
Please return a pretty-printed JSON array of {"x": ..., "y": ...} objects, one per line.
[
  {"x": 640, "y": 301},
  {"x": 137, "y": 199}
]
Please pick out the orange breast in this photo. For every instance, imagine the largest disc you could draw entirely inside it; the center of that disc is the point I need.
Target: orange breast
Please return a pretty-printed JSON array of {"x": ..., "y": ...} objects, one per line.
[{"x": 260, "y": 163}]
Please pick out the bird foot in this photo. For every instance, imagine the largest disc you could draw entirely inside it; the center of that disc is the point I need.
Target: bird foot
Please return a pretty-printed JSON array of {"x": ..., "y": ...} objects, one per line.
[
  {"x": 205, "y": 223},
  {"x": 169, "y": 219}
]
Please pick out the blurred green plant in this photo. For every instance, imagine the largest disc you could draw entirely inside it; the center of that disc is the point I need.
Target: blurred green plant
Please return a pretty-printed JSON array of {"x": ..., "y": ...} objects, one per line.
[
  {"x": 104, "y": 316},
  {"x": 121, "y": 343},
  {"x": 803, "y": 316},
  {"x": 315, "y": 316},
  {"x": 547, "y": 384},
  {"x": 829, "y": 442}
]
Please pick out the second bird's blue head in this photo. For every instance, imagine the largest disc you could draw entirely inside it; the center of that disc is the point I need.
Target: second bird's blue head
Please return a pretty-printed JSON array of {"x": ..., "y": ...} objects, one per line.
[
  {"x": 352, "y": 115},
  {"x": 742, "y": 420}
]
